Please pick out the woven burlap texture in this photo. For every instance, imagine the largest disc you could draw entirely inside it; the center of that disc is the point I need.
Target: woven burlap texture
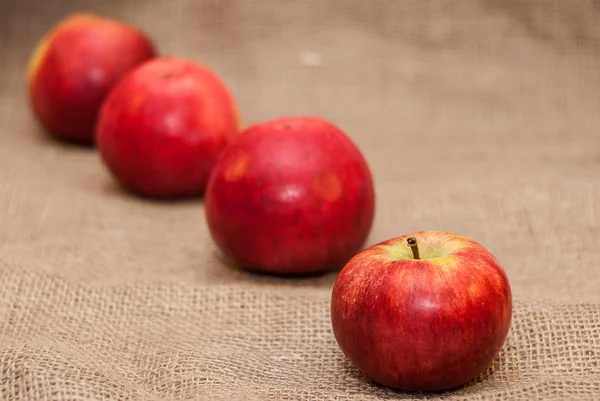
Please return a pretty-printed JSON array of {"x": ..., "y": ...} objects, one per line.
[{"x": 476, "y": 117}]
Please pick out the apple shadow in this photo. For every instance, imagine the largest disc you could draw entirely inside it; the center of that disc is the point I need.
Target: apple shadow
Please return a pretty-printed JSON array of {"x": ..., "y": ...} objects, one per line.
[
  {"x": 392, "y": 393},
  {"x": 112, "y": 187},
  {"x": 47, "y": 138},
  {"x": 324, "y": 278},
  {"x": 473, "y": 385},
  {"x": 249, "y": 275}
]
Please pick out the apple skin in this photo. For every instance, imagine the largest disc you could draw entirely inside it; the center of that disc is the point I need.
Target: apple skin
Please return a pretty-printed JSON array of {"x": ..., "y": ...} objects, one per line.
[
  {"x": 163, "y": 126},
  {"x": 422, "y": 325},
  {"x": 73, "y": 68},
  {"x": 290, "y": 196}
]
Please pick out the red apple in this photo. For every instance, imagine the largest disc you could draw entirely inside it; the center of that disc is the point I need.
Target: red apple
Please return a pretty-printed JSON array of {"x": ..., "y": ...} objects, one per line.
[
  {"x": 163, "y": 126},
  {"x": 73, "y": 68},
  {"x": 290, "y": 196},
  {"x": 429, "y": 320}
]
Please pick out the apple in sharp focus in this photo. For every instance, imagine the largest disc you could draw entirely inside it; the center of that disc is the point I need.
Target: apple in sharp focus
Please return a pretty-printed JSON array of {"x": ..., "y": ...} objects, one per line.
[
  {"x": 163, "y": 126},
  {"x": 427, "y": 311},
  {"x": 290, "y": 196},
  {"x": 73, "y": 68}
]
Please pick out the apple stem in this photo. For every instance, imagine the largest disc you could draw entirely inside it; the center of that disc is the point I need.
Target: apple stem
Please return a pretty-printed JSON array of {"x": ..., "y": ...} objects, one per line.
[{"x": 412, "y": 242}]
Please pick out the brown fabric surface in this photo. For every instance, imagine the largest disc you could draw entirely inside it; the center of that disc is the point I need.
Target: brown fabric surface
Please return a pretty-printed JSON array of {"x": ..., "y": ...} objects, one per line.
[{"x": 477, "y": 117}]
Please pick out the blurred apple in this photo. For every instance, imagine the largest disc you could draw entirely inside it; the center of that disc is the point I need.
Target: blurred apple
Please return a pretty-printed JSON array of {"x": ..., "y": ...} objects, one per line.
[
  {"x": 163, "y": 126},
  {"x": 73, "y": 68},
  {"x": 291, "y": 196}
]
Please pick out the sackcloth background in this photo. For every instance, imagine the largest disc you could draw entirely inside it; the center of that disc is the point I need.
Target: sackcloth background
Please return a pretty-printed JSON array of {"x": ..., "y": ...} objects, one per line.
[{"x": 476, "y": 117}]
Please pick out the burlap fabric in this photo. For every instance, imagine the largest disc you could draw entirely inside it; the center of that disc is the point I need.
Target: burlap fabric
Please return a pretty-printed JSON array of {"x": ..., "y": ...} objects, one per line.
[{"x": 477, "y": 117}]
